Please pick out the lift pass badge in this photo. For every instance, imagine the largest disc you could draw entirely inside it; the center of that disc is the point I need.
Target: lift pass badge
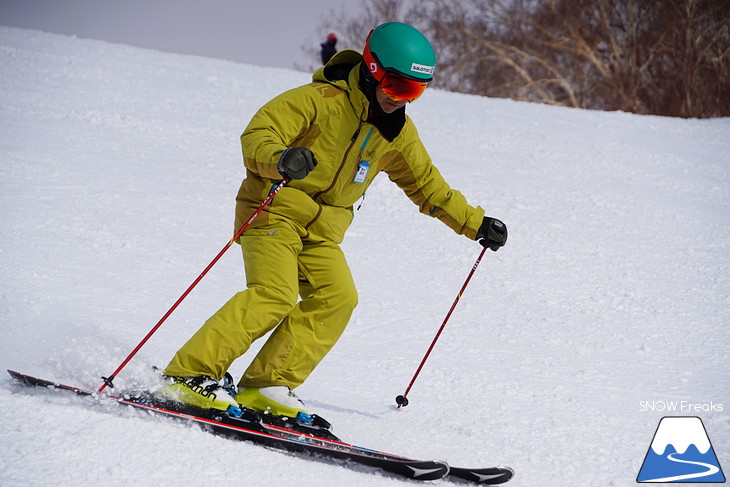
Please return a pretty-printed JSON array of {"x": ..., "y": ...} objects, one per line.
[{"x": 362, "y": 172}]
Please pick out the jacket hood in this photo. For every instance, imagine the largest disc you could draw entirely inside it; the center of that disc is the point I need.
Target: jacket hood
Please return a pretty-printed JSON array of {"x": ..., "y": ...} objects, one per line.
[
  {"x": 339, "y": 72},
  {"x": 338, "y": 68}
]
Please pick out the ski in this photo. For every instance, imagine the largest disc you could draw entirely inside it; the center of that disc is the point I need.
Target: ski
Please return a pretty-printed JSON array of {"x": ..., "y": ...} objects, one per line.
[{"x": 250, "y": 426}]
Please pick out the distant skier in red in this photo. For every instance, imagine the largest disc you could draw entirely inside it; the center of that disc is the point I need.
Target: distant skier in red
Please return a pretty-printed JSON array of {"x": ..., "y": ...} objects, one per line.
[{"x": 328, "y": 48}]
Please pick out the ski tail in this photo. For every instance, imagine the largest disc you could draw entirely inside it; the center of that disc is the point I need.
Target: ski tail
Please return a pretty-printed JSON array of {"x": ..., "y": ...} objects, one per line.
[{"x": 489, "y": 476}]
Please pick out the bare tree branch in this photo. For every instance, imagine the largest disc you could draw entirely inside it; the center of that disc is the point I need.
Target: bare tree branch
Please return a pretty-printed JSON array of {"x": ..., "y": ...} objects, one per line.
[{"x": 670, "y": 57}]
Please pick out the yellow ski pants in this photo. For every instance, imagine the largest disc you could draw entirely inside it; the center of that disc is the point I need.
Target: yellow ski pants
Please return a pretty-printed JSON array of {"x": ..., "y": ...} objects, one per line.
[{"x": 279, "y": 266}]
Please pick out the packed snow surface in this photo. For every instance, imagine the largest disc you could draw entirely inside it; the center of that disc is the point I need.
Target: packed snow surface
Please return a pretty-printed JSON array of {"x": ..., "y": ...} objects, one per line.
[{"x": 608, "y": 307}]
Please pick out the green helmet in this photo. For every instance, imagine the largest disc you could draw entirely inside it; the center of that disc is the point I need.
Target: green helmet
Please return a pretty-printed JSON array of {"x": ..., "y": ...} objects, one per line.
[{"x": 401, "y": 49}]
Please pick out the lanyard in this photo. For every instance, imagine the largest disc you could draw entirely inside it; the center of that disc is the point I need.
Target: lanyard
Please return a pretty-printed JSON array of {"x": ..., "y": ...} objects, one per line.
[{"x": 363, "y": 166}]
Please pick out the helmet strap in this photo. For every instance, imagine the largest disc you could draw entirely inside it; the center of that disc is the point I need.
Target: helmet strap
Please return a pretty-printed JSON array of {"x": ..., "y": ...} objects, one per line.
[{"x": 367, "y": 86}]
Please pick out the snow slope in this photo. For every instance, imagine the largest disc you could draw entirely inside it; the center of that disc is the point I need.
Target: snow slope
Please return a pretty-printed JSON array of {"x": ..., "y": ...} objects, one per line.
[{"x": 119, "y": 171}]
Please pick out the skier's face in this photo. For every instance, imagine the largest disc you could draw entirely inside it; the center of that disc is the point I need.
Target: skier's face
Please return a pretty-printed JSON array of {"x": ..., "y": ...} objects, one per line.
[{"x": 386, "y": 103}]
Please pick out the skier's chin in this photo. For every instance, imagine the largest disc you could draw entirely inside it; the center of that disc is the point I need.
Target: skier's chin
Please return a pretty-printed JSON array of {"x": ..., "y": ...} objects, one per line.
[{"x": 389, "y": 106}]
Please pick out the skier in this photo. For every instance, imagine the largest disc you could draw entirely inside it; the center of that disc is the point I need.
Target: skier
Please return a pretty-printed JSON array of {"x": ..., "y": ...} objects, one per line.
[
  {"x": 331, "y": 137},
  {"x": 328, "y": 48}
]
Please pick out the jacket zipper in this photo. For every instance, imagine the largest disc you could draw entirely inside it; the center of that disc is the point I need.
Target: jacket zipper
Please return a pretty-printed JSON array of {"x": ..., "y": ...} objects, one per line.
[
  {"x": 337, "y": 174},
  {"x": 342, "y": 164}
]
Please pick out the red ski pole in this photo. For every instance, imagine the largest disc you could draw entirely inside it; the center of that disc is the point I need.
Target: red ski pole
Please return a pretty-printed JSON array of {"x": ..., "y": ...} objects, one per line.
[
  {"x": 403, "y": 400},
  {"x": 276, "y": 189}
]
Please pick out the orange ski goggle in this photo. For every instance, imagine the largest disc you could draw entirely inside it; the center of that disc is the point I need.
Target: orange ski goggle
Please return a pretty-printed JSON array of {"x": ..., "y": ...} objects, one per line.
[{"x": 399, "y": 88}]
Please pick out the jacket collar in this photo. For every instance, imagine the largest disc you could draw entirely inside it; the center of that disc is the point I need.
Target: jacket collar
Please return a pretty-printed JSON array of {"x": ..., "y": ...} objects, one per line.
[{"x": 343, "y": 71}]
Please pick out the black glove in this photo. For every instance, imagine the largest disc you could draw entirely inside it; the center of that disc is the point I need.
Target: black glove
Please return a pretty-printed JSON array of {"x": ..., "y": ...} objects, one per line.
[
  {"x": 296, "y": 162},
  {"x": 492, "y": 234}
]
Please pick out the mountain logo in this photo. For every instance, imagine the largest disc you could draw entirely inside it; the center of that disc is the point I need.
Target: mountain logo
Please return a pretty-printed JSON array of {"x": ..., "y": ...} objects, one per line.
[{"x": 680, "y": 452}]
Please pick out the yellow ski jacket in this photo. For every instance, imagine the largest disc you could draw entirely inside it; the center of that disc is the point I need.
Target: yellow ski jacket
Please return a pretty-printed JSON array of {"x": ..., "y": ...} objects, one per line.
[{"x": 330, "y": 117}]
